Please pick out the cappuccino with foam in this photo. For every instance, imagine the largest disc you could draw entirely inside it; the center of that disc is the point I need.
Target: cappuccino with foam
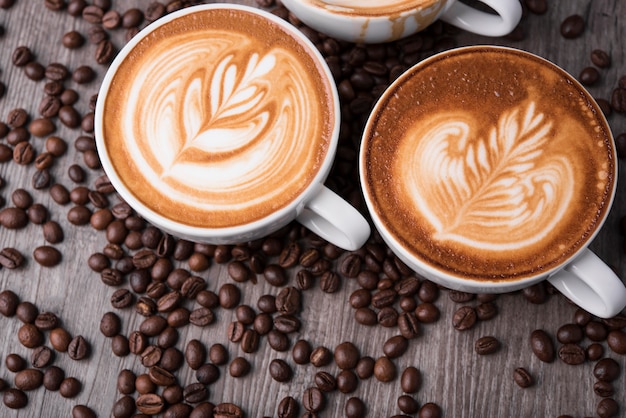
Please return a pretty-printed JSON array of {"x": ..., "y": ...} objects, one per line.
[
  {"x": 488, "y": 163},
  {"x": 218, "y": 118}
]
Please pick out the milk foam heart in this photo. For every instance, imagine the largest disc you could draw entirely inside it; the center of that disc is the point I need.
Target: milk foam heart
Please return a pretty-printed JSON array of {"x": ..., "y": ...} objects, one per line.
[{"x": 218, "y": 118}]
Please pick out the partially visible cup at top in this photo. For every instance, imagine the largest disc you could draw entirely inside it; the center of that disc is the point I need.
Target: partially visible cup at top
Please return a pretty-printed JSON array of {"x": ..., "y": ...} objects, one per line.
[
  {"x": 377, "y": 21},
  {"x": 489, "y": 169},
  {"x": 219, "y": 123}
]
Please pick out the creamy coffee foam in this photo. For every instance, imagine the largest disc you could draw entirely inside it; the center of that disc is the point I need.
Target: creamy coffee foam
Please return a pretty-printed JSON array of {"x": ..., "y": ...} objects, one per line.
[
  {"x": 373, "y": 7},
  {"x": 218, "y": 118},
  {"x": 489, "y": 164}
]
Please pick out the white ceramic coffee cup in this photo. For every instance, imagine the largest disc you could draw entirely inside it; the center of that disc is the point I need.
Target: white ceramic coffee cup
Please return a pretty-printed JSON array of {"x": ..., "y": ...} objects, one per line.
[
  {"x": 583, "y": 277},
  {"x": 317, "y": 207},
  {"x": 350, "y": 21}
]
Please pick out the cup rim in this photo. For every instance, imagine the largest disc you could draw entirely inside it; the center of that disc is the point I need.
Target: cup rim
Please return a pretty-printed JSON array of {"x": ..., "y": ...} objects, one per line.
[
  {"x": 458, "y": 281},
  {"x": 224, "y": 233}
]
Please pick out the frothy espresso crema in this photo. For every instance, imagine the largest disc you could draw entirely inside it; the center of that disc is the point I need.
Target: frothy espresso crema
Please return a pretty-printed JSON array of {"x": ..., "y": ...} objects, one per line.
[
  {"x": 489, "y": 164},
  {"x": 372, "y": 8},
  {"x": 218, "y": 118}
]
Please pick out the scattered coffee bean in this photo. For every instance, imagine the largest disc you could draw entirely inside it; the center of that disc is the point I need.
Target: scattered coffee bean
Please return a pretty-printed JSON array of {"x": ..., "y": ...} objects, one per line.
[
  {"x": 522, "y": 377},
  {"x": 486, "y": 345},
  {"x": 573, "y": 27},
  {"x": 542, "y": 346}
]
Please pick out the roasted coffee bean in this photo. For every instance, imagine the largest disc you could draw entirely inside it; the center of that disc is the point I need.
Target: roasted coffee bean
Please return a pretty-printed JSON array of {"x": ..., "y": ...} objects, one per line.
[
  {"x": 301, "y": 352},
  {"x": 607, "y": 408},
  {"x": 288, "y": 407},
  {"x": 287, "y": 323},
  {"x": 537, "y": 6},
  {"x": 82, "y": 411},
  {"x": 600, "y": 58},
  {"x": 572, "y": 354},
  {"x": 14, "y": 398},
  {"x": 569, "y": 333},
  {"x": 365, "y": 367},
  {"x": 160, "y": 376},
  {"x": 195, "y": 354},
  {"x": 70, "y": 387},
  {"x": 34, "y": 70},
  {"x": 59, "y": 194},
  {"x": 11, "y": 258},
  {"x": 227, "y": 410},
  {"x": 388, "y": 317},
  {"x": 366, "y": 316},
  {"x": 347, "y": 381},
  {"x": 249, "y": 341},
  {"x": 60, "y": 339},
  {"x": 122, "y": 298},
  {"x": 589, "y": 76},
  {"x": 606, "y": 370},
  {"x": 46, "y": 321},
  {"x": 239, "y": 367},
  {"x": 275, "y": 275},
  {"x": 126, "y": 381},
  {"x": 428, "y": 313},
  {"x": 596, "y": 331},
  {"x": 395, "y": 346},
  {"x": 21, "y": 198},
  {"x": 486, "y": 311},
  {"x": 542, "y": 346},
  {"x": 383, "y": 298},
  {"x": 30, "y": 336},
  {"x": 430, "y": 410},
  {"x": 22, "y": 55},
  {"x": 41, "y": 357},
  {"x": 346, "y": 355},
  {"x": 57, "y": 72},
  {"x": 410, "y": 380},
  {"x": 573, "y": 26},
  {"x": 26, "y": 312},
  {"x": 408, "y": 325},
  {"x": 208, "y": 373},
  {"x": 407, "y": 404},
  {"x": 313, "y": 399},
  {"x": 229, "y": 296},
  {"x": 618, "y": 100},
  {"x": 522, "y": 377},
  {"x": 93, "y": 14},
  {"x": 78, "y": 348},
  {"x": 73, "y": 39},
  {"x": 486, "y": 345},
  {"x": 144, "y": 384},
  {"x": 321, "y": 356},
  {"x": 13, "y": 218},
  {"x": 288, "y": 301},
  {"x": 218, "y": 354},
  {"x": 14, "y": 362},
  {"x": 105, "y": 52},
  {"x": 603, "y": 389},
  {"x": 23, "y": 153},
  {"x": 28, "y": 379},
  {"x": 8, "y": 303},
  {"x": 150, "y": 404},
  {"x": 17, "y": 118},
  {"x": 536, "y": 293},
  {"x": 53, "y": 377},
  {"x": 280, "y": 370},
  {"x": 464, "y": 318},
  {"x": 594, "y": 351},
  {"x": 460, "y": 297},
  {"x": 195, "y": 393},
  {"x": 111, "y": 277},
  {"x": 325, "y": 381},
  {"x": 582, "y": 317},
  {"x": 110, "y": 324},
  {"x": 616, "y": 340},
  {"x": 384, "y": 369},
  {"x": 201, "y": 317}
]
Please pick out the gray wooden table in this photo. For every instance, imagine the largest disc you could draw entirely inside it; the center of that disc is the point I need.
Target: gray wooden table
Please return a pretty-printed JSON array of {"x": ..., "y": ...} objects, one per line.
[{"x": 454, "y": 376}]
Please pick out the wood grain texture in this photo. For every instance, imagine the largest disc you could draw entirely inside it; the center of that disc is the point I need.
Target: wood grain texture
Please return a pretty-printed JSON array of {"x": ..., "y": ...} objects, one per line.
[{"x": 464, "y": 384}]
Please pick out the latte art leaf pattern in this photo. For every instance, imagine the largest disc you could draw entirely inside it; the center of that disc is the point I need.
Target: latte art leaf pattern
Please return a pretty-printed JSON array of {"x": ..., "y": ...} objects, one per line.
[
  {"x": 234, "y": 112},
  {"x": 492, "y": 192}
]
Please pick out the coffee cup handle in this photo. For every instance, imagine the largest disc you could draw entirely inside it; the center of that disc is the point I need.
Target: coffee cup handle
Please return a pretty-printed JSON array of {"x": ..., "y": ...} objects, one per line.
[
  {"x": 335, "y": 220},
  {"x": 591, "y": 284},
  {"x": 509, "y": 13}
]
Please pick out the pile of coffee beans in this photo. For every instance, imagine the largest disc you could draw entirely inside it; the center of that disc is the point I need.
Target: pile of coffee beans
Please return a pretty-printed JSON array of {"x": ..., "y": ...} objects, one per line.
[{"x": 162, "y": 280}]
